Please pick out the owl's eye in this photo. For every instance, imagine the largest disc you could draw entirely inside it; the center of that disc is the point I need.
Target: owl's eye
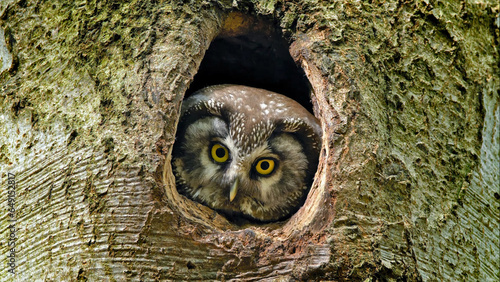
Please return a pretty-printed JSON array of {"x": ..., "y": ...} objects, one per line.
[
  {"x": 219, "y": 153},
  {"x": 264, "y": 166}
]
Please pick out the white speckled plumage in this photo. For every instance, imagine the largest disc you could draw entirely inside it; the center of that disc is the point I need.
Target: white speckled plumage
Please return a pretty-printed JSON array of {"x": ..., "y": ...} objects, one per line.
[{"x": 252, "y": 124}]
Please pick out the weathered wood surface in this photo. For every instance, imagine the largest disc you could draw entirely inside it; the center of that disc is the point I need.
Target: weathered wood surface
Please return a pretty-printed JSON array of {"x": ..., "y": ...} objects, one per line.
[{"x": 407, "y": 186}]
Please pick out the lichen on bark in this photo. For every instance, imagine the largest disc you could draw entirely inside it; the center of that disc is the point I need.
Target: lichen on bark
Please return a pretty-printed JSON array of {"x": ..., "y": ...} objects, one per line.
[{"x": 407, "y": 186}]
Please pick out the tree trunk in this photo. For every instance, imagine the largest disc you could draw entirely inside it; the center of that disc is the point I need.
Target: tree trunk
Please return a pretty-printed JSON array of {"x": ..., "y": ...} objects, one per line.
[{"x": 408, "y": 182}]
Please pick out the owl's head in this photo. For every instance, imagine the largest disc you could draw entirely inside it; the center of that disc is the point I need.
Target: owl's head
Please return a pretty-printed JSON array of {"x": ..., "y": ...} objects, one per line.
[{"x": 246, "y": 152}]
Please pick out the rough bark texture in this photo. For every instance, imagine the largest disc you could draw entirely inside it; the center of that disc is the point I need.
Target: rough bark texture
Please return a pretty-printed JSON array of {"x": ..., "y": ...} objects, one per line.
[{"x": 407, "y": 186}]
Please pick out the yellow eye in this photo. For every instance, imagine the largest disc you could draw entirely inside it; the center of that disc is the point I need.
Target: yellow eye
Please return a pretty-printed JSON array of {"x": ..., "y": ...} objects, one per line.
[
  {"x": 219, "y": 153},
  {"x": 265, "y": 166}
]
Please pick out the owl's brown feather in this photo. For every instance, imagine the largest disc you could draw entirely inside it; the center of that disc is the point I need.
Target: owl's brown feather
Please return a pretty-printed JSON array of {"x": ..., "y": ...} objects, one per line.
[{"x": 252, "y": 124}]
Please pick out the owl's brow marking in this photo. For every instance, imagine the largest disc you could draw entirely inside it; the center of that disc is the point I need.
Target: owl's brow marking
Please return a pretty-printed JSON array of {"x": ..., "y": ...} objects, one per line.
[
  {"x": 293, "y": 124},
  {"x": 238, "y": 120},
  {"x": 214, "y": 106}
]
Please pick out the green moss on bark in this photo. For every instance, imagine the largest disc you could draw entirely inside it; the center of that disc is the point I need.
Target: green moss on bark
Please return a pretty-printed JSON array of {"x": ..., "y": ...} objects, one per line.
[{"x": 407, "y": 92}]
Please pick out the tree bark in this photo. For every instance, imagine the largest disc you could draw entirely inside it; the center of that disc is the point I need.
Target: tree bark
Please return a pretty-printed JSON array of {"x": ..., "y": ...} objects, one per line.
[{"x": 408, "y": 182}]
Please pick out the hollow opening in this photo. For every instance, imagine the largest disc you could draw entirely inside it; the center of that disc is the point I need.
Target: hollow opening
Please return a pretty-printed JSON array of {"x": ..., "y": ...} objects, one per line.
[{"x": 253, "y": 52}]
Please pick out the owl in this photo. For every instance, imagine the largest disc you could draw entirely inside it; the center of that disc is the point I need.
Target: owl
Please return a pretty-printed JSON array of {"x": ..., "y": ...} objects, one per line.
[{"x": 246, "y": 152}]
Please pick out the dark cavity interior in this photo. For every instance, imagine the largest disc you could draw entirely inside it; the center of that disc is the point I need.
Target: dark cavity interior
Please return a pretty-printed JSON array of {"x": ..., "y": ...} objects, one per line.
[{"x": 255, "y": 56}]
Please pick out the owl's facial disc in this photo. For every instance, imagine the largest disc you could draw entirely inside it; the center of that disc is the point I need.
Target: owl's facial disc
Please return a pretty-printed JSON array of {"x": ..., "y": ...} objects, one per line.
[
  {"x": 241, "y": 175},
  {"x": 246, "y": 151},
  {"x": 220, "y": 155},
  {"x": 263, "y": 167}
]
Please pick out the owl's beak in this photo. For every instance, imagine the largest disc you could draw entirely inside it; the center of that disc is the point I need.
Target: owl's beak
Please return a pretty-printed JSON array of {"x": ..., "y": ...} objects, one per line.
[{"x": 234, "y": 190}]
